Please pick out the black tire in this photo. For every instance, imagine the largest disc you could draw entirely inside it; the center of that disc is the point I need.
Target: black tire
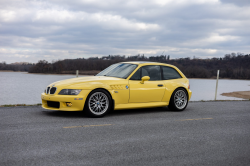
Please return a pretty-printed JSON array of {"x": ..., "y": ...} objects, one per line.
[
  {"x": 98, "y": 103},
  {"x": 179, "y": 100}
]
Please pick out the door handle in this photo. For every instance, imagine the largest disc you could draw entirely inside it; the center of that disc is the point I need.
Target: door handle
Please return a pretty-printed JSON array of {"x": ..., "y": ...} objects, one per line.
[{"x": 160, "y": 85}]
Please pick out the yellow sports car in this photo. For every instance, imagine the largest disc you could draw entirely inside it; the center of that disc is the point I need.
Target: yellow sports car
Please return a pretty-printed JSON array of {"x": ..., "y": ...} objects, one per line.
[{"x": 126, "y": 85}]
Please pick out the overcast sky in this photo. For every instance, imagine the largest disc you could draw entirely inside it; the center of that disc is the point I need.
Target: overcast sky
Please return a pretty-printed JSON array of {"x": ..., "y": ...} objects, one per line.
[{"x": 62, "y": 29}]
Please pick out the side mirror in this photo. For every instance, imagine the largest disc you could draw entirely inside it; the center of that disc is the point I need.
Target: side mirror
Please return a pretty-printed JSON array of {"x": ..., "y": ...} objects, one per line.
[{"x": 145, "y": 78}]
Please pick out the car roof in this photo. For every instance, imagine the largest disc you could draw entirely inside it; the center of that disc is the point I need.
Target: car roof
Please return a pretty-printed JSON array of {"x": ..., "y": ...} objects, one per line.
[{"x": 145, "y": 62}]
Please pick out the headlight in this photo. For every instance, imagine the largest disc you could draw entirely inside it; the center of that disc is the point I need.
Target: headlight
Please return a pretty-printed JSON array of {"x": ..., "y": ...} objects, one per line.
[{"x": 69, "y": 92}]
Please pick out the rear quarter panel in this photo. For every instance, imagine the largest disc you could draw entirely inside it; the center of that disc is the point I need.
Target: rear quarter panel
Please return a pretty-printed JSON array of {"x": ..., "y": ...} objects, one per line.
[{"x": 171, "y": 85}]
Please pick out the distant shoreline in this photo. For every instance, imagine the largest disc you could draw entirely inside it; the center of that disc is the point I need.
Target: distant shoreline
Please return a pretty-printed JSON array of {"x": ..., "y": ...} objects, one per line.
[
  {"x": 91, "y": 72},
  {"x": 94, "y": 72},
  {"x": 11, "y": 71}
]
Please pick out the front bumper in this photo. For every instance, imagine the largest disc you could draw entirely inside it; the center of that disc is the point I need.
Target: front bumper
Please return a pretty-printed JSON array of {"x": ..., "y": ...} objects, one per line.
[{"x": 77, "y": 101}]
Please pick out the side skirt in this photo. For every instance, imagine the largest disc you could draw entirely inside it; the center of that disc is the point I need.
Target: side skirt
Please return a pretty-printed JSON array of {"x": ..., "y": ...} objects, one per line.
[{"x": 140, "y": 105}]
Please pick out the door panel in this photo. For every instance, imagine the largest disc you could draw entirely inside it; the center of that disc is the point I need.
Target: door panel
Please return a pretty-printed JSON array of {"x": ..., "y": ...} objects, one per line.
[{"x": 150, "y": 91}]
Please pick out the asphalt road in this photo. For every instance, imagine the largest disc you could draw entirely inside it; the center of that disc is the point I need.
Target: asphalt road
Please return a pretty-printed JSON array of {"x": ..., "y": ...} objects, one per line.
[{"x": 206, "y": 133}]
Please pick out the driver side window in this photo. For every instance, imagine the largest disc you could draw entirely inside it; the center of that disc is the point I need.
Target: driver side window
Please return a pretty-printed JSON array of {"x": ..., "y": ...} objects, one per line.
[
  {"x": 153, "y": 71},
  {"x": 137, "y": 75}
]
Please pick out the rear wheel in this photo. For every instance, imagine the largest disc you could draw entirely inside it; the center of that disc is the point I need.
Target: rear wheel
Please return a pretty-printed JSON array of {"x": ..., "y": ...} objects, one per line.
[
  {"x": 98, "y": 103},
  {"x": 179, "y": 100}
]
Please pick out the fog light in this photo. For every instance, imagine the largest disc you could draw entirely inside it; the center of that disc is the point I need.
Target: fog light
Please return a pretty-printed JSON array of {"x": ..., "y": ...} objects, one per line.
[{"x": 69, "y": 104}]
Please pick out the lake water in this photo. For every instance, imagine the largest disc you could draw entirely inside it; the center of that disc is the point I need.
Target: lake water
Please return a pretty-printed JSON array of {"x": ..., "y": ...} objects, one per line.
[{"x": 24, "y": 88}]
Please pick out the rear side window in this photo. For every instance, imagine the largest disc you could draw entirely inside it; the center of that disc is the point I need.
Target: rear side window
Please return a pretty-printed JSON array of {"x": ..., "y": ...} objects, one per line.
[{"x": 170, "y": 73}]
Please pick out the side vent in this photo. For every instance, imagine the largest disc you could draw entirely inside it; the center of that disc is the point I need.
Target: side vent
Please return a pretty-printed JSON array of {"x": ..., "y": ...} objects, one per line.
[{"x": 118, "y": 86}]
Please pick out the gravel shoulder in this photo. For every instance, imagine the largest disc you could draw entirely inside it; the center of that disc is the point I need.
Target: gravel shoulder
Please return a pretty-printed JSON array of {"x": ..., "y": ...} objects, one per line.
[{"x": 238, "y": 94}]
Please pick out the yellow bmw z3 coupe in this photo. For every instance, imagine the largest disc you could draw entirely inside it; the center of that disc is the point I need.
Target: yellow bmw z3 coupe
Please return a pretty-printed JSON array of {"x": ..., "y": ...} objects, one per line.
[{"x": 126, "y": 85}]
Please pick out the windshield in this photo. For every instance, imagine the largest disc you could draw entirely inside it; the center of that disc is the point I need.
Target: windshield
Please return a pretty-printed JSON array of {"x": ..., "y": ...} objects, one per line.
[{"x": 120, "y": 70}]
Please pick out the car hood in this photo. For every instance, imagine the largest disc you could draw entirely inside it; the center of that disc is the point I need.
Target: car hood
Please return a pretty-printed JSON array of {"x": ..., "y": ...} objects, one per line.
[{"x": 84, "y": 80}]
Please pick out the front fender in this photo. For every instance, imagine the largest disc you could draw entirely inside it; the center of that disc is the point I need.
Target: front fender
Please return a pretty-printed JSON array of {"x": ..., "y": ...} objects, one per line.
[{"x": 90, "y": 86}]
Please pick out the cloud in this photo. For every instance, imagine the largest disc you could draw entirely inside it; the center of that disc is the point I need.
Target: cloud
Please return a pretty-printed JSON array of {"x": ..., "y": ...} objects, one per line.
[
  {"x": 35, "y": 30},
  {"x": 238, "y": 2}
]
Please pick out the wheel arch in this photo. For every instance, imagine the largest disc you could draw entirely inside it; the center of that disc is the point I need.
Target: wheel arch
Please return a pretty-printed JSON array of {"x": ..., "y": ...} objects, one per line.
[
  {"x": 112, "y": 100},
  {"x": 181, "y": 87},
  {"x": 172, "y": 105}
]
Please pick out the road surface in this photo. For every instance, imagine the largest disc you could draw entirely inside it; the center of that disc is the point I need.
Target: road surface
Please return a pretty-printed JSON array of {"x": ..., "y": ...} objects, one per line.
[{"x": 206, "y": 133}]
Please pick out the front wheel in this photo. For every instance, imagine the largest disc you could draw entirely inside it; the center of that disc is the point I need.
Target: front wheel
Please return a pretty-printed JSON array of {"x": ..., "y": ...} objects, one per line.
[
  {"x": 98, "y": 103},
  {"x": 179, "y": 100}
]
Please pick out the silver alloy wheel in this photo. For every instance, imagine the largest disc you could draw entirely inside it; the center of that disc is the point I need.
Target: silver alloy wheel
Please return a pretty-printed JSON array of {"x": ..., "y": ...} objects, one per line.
[
  {"x": 180, "y": 99},
  {"x": 98, "y": 103}
]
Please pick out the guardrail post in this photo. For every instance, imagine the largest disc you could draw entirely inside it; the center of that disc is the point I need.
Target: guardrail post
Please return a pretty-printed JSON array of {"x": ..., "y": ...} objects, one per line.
[
  {"x": 218, "y": 73},
  {"x": 77, "y": 72}
]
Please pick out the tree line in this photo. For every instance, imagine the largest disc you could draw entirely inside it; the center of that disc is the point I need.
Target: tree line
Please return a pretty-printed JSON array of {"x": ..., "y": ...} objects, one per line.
[
  {"x": 16, "y": 67},
  {"x": 231, "y": 65}
]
